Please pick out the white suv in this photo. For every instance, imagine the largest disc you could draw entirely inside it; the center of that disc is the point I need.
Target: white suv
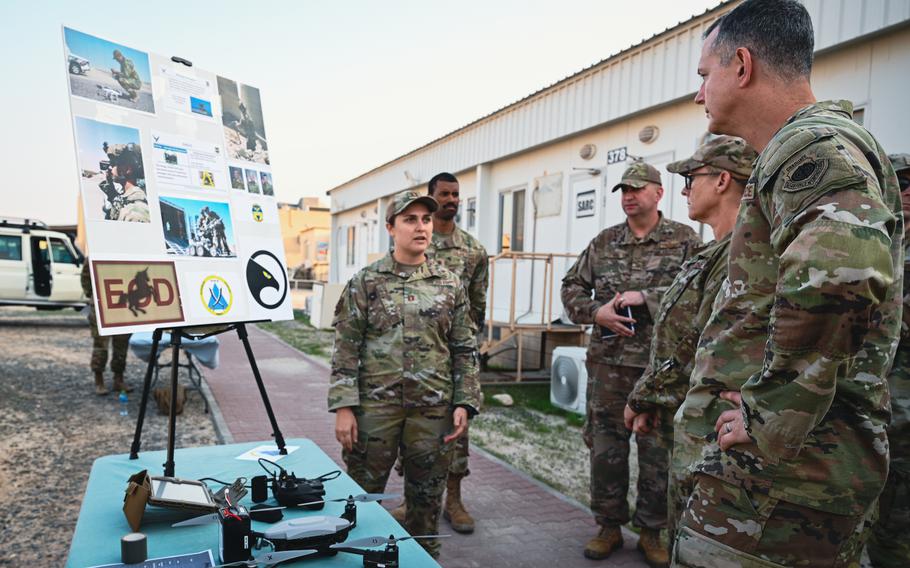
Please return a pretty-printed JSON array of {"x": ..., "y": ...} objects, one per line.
[{"x": 38, "y": 267}]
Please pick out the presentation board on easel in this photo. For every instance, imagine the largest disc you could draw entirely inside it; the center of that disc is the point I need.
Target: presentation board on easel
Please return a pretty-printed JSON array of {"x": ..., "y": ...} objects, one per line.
[{"x": 177, "y": 191}]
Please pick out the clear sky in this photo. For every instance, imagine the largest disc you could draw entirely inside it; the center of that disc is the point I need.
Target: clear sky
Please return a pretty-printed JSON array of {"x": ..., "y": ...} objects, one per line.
[{"x": 346, "y": 85}]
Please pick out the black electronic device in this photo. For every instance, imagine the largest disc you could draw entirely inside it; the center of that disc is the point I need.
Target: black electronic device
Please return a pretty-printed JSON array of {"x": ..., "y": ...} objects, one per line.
[
  {"x": 607, "y": 333},
  {"x": 385, "y": 558},
  {"x": 290, "y": 490},
  {"x": 235, "y": 542}
]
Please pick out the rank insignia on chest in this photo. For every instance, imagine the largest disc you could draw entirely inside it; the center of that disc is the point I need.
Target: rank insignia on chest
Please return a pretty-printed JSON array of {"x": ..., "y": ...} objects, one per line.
[
  {"x": 410, "y": 299},
  {"x": 749, "y": 192}
]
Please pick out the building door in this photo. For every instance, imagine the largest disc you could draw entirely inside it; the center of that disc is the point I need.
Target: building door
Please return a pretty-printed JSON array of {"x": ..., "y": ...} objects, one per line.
[{"x": 41, "y": 267}]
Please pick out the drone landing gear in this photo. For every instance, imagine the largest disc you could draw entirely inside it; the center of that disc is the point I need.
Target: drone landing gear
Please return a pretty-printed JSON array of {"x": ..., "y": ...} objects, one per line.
[{"x": 176, "y": 335}]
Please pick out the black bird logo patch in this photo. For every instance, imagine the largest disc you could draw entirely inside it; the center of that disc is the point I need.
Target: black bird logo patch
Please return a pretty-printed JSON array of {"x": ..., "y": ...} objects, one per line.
[{"x": 265, "y": 272}]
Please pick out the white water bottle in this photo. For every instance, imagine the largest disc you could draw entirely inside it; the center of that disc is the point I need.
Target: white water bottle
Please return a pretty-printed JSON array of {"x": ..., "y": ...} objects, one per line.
[{"x": 124, "y": 401}]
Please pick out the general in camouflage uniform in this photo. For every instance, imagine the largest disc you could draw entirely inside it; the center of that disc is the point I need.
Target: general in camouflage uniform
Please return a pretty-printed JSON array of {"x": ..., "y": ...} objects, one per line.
[
  {"x": 127, "y": 77},
  {"x": 404, "y": 358},
  {"x": 465, "y": 257},
  {"x": 715, "y": 177},
  {"x": 805, "y": 328},
  {"x": 889, "y": 543},
  {"x": 119, "y": 344},
  {"x": 615, "y": 261}
]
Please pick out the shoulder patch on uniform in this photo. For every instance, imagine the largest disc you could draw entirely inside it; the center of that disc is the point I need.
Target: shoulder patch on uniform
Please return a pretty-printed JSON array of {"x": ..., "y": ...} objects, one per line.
[
  {"x": 804, "y": 173},
  {"x": 749, "y": 192}
]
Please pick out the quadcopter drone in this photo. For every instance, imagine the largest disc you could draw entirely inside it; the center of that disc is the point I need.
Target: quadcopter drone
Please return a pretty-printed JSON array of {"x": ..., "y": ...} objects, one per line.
[{"x": 314, "y": 534}]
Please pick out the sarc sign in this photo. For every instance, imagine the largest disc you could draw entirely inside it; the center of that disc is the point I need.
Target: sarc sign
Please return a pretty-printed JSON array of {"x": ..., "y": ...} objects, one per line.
[
  {"x": 584, "y": 203},
  {"x": 130, "y": 293}
]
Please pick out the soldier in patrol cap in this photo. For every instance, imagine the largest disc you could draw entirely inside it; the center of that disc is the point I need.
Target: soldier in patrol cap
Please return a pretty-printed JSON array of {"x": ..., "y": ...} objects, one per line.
[
  {"x": 714, "y": 180},
  {"x": 627, "y": 266},
  {"x": 127, "y": 76},
  {"x": 404, "y": 367},
  {"x": 461, "y": 253},
  {"x": 889, "y": 543},
  {"x": 788, "y": 405}
]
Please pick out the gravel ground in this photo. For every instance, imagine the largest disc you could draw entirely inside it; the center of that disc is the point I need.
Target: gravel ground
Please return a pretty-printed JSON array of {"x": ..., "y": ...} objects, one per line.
[
  {"x": 53, "y": 426},
  {"x": 545, "y": 447}
]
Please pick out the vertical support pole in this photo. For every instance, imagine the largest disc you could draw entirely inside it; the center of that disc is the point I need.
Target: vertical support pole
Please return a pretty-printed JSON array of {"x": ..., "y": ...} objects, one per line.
[
  {"x": 520, "y": 354},
  {"x": 172, "y": 415},
  {"x": 146, "y": 386},
  {"x": 279, "y": 439}
]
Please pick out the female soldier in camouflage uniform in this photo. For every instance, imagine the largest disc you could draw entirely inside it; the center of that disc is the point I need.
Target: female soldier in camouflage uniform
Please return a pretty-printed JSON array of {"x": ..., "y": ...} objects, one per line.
[{"x": 404, "y": 368}]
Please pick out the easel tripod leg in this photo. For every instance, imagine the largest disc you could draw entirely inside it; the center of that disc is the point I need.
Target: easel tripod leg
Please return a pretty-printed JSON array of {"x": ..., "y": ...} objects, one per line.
[
  {"x": 279, "y": 439},
  {"x": 146, "y": 386},
  {"x": 172, "y": 417}
]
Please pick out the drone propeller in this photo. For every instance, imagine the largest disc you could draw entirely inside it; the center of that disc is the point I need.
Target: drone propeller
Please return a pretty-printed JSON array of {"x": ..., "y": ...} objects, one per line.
[
  {"x": 203, "y": 520},
  {"x": 362, "y": 498},
  {"x": 381, "y": 540},
  {"x": 269, "y": 559}
]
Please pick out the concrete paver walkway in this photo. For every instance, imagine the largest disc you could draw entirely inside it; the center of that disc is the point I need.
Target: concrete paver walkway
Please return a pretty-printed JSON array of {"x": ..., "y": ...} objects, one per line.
[{"x": 519, "y": 521}]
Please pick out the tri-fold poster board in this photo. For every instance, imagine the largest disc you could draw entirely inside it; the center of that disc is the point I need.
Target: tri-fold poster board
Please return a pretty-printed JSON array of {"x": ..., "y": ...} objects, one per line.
[{"x": 177, "y": 191}]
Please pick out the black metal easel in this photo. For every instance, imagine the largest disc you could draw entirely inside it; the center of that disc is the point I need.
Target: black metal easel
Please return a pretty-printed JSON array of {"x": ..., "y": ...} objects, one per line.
[{"x": 176, "y": 335}]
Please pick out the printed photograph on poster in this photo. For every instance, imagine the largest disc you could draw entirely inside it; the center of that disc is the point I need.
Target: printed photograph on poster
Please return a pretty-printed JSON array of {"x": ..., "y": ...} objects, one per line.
[
  {"x": 112, "y": 172},
  {"x": 186, "y": 92},
  {"x": 237, "y": 178},
  {"x": 136, "y": 293},
  {"x": 241, "y": 115},
  {"x": 266, "y": 179},
  {"x": 108, "y": 72},
  {"x": 181, "y": 161},
  {"x": 252, "y": 181},
  {"x": 193, "y": 227}
]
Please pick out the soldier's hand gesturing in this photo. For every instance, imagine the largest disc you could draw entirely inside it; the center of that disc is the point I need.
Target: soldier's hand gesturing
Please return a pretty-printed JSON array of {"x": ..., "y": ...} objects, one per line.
[
  {"x": 346, "y": 428},
  {"x": 730, "y": 427},
  {"x": 607, "y": 317}
]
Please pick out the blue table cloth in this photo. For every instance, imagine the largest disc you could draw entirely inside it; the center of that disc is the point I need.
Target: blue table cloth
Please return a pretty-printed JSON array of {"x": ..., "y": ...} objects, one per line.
[{"x": 101, "y": 521}]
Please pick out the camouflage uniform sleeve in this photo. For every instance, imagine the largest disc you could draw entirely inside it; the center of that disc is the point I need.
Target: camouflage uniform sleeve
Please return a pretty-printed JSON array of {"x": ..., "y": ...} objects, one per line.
[
  {"x": 350, "y": 323},
  {"x": 831, "y": 231},
  {"x": 477, "y": 292},
  {"x": 667, "y": 386},
  {"x": 463, "y": 349},
  {"x": 577, "y": 286},
  {"x": 653, "y": 296}
]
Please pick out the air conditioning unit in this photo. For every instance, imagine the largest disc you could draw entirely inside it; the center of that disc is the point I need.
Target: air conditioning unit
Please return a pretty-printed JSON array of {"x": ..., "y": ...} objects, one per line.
[{"x": 569, "y": 379}]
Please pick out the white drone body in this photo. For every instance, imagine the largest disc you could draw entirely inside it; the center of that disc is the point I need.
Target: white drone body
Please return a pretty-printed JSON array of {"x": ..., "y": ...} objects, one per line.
[{"x": 304, "y": 527}]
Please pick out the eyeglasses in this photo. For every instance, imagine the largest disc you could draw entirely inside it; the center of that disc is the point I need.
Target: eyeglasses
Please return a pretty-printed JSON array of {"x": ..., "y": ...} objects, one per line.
[
  {"x": 688, "y": 177},
  {"x": 904, "y": 182}
]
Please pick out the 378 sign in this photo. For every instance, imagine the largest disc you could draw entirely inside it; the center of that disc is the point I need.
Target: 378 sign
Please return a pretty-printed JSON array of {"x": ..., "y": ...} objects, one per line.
[{"x": 131, "y": 293}]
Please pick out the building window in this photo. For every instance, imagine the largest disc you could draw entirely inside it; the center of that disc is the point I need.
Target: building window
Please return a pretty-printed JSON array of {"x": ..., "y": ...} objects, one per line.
[
  {"x": 512, "y": 221},
  {"x": 350, "y": 248},
  {"x": 471, "y": 210}
]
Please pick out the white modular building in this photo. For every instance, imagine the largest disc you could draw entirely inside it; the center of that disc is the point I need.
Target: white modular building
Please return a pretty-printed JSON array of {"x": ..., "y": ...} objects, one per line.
[{"x": 535, "y": 176}]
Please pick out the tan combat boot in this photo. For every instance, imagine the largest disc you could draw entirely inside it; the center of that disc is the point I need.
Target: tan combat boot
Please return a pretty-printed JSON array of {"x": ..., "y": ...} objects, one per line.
[
  {"x": 119, "y": 385},
  {"x": 656, "y": 554},
  {"x": 100, "y": 389},
  {"x": 454, "y": 510},
  {"x": 603, "y": 545},
  {"x": 399, "y": 512}
]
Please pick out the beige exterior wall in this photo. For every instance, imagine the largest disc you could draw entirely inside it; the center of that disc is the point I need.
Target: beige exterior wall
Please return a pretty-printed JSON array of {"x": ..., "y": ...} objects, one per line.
[{"x": 306, "y": 235}]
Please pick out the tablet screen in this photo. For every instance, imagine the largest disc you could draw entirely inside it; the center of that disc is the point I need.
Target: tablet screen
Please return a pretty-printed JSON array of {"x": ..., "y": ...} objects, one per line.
[{"x": 169, "y": 490}]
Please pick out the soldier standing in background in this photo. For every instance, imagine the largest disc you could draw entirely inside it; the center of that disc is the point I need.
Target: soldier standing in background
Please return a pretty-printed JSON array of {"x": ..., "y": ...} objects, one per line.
[
  {"x": 404, "y": 367},
  {"x": 462, "y": 254},
  {"x": 119, "y": 344},
  {"x": 889, "y": 543},
  {"x": 639, "y": 258},
  {"x": 789, "y": 399},
  {"x": 715, "y": 177}
]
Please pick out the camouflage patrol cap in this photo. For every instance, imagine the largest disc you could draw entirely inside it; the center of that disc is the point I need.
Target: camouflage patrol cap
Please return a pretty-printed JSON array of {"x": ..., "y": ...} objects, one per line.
[
  {"x": 114, "y": 151},
  {"x": 404, "y": 199},
  {"x": 900, "y": 162},
  {"x": 722, "y": 152},
  {"x": 638, "y": 175}
]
